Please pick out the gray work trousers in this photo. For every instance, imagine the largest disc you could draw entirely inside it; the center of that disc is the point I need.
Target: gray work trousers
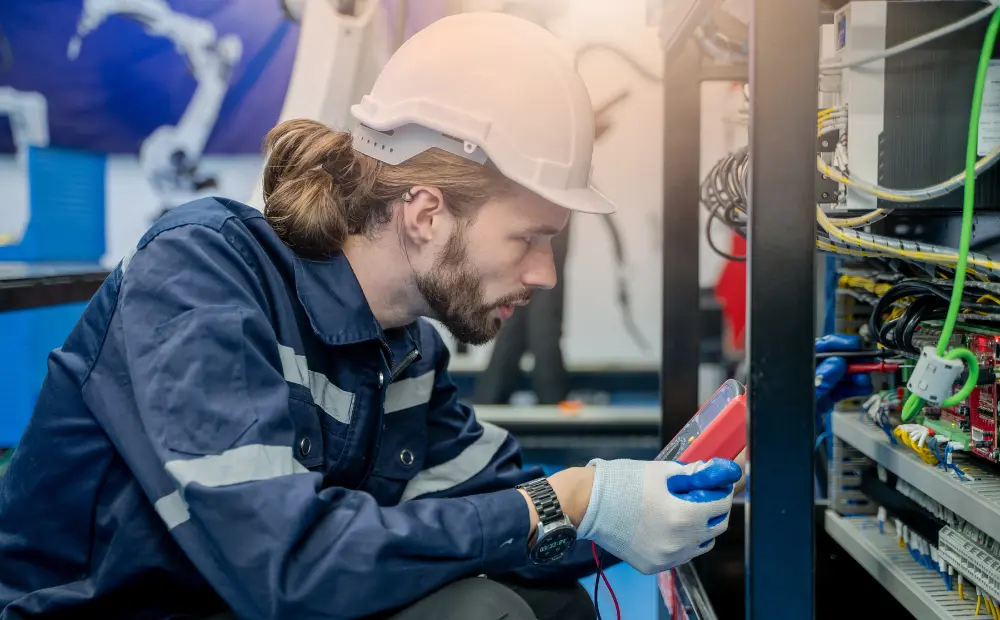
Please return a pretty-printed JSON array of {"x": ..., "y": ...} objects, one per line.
[
  {"x": 479, "y": 598},
  {"x": 536, "y": 327}
]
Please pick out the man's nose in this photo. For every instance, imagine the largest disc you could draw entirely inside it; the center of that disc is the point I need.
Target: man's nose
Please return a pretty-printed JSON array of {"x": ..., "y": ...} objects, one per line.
[{"x": 541, "y": 274}]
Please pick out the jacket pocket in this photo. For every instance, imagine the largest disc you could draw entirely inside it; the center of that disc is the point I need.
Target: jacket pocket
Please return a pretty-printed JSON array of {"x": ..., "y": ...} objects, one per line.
[
  {"x": 404, "y": 445},
  {"x": 192, "y": 381}
]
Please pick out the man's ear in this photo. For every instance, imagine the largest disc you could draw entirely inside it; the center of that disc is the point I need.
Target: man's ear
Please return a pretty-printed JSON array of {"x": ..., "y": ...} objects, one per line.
[{"x": 422, "y": 214}]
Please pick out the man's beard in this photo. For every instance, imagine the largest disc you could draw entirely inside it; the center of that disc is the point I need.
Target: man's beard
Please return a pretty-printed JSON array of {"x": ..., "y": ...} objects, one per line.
[{"x": 453, "y": 290}]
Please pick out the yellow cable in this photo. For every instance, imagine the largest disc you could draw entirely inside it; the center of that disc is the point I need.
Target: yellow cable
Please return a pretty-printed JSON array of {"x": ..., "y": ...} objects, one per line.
[
  {"x": 927, "y": 257},
  {"x": 961, "y": 594},
  {"x": 851, "y": 222},
  {"x": 979, "y": 604},
  {"x": 925, "y": 453},
  {"x": 989, "y": 298},
  {"x": 866, "y": 284}
]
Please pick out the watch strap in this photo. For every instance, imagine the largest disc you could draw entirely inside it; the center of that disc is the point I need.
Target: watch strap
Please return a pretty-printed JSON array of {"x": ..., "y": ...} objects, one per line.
[{"x": 543, "y": 496}]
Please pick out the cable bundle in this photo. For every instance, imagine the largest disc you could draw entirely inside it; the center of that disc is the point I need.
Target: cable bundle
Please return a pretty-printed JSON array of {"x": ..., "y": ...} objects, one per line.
[
  {"x": 908, "y": 303},
  {"x": 723, "y": 194}
]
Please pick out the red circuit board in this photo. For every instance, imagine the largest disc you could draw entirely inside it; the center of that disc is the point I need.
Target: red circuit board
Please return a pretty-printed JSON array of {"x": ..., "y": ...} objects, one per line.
[{"x": 978, "y": 414}]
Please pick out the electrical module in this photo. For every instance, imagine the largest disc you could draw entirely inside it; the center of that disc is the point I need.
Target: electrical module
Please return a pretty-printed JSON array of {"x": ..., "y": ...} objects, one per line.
[{"x": 973, "y": 421}]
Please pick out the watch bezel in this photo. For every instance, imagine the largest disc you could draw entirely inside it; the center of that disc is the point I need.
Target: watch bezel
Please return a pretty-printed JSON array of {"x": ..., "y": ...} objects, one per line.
[{"x": 545, "y": 533}]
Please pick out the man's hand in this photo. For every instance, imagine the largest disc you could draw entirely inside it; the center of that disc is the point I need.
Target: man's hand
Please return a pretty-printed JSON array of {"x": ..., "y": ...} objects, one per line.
[{"x": 655, "y": 515}]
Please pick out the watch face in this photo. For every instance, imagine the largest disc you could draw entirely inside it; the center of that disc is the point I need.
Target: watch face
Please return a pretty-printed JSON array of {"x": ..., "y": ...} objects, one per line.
[{"x": 553, "y": 544}]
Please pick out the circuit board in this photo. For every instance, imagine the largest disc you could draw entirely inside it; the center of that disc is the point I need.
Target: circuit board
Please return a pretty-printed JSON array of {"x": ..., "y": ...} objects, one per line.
[{"x": 974, "y": 420}]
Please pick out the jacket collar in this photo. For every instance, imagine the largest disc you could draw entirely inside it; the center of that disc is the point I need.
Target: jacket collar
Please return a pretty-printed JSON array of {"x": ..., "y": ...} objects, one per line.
[{"x": 337, "y": 309}]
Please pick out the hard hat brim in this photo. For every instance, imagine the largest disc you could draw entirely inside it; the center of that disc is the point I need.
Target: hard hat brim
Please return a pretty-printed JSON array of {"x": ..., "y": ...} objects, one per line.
[{"x": 581, "y": 200}]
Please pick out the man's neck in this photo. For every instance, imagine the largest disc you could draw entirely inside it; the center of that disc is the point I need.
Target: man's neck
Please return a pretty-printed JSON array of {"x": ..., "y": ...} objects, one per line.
[{"x": 388, "y": 288}]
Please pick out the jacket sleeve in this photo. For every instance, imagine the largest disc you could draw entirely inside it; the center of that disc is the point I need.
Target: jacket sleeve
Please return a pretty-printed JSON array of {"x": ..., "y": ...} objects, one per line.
[
  {"x": 467, "y": 457},
  {"x": 212, "y": 443}
]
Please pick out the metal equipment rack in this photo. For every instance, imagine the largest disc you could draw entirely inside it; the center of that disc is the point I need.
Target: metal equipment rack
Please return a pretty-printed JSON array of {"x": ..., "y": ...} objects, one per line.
[
  {"x": 783, "y": 73},
  {"x": 781, "y": 322}
]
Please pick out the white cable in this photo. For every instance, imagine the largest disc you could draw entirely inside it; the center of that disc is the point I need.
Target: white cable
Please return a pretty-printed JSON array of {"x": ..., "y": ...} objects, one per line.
[{"x": 835, "y": 66}]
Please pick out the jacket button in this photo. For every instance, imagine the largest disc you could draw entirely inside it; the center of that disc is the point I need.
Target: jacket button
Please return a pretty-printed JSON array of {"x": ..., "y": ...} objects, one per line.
[
  {"x": 381, "y": 379},
  {"x": 305, "y": 446},
  {"x": 406, "y": 457}
]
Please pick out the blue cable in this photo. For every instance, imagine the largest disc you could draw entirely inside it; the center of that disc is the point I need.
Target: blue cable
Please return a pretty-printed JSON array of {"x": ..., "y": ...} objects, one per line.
[{"x": 933, "y": 445}]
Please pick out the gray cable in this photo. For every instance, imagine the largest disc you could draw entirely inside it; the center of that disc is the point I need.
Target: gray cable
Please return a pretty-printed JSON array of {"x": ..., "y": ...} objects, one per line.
[{"x": 834, "y": 67}]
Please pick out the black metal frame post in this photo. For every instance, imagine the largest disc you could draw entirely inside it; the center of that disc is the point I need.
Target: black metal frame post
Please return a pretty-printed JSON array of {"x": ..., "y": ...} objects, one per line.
[
  {"x": 680, "y": 333},
  {"x": 784, "y": 60}
]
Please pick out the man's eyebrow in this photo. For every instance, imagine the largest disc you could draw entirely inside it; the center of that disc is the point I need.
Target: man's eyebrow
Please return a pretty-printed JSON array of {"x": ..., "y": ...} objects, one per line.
[{"x": 544, "y": 229}]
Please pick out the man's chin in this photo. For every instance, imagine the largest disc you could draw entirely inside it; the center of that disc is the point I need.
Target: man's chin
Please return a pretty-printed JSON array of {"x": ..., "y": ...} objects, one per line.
[{"x": 474, "y": 337}]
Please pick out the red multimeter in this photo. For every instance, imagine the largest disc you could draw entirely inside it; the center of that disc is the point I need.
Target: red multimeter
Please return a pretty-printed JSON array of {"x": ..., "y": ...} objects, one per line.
[{"x": 718, "y": 430}]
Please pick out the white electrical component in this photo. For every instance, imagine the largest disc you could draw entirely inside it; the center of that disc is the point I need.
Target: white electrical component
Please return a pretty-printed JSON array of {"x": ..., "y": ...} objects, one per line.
[
  {"x": 934, "y": 377},
  {"x": 859, "y": 28}
]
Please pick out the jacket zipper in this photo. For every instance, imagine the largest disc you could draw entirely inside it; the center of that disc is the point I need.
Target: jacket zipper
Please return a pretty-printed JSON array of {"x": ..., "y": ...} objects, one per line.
[
  {"x": 393, "y": 375},
  {"x": 403, "y": 363}
]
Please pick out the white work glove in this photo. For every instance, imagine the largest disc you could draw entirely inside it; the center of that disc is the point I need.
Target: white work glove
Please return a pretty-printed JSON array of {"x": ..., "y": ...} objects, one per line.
[{"x": 655, "y": 515}]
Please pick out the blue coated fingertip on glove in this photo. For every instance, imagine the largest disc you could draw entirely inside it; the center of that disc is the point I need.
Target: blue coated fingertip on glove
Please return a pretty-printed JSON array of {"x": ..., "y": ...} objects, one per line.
[
  {"x": 828, "y": 374},
  {"x": 834, "y": 385},
  {"x": 838, "y": 342},
  {"x": 712, "y": 483}
]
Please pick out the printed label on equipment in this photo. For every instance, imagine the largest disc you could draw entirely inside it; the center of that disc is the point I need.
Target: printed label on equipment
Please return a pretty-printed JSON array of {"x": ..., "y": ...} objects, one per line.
[{"x": 989, "y": 115}]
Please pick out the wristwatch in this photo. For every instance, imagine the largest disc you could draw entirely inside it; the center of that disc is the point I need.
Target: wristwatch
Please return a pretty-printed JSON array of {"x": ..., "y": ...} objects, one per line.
[{"x": 555, "y": 533}]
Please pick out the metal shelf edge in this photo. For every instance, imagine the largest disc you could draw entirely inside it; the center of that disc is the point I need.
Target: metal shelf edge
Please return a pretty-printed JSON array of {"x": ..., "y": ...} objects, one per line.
[{"x": 944, "y": 487}]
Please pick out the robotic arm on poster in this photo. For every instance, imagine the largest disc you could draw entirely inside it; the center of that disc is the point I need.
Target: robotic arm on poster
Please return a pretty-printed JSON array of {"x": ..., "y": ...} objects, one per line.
[
  {"x": 27, "y": 112},
  {"x": 171, "y": 155}
]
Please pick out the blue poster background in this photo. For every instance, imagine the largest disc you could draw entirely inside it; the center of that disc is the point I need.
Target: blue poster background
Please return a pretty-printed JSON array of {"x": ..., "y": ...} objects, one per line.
[{"x": 126, "y": 83}]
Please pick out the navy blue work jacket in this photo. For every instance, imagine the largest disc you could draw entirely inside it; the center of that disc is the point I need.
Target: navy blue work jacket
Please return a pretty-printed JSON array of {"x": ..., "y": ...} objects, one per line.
[{"x": 227, "y": 426}]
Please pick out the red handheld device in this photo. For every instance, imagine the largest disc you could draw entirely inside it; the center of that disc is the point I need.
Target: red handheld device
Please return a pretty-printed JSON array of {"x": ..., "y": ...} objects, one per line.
[{"x": 718, "y": 430}]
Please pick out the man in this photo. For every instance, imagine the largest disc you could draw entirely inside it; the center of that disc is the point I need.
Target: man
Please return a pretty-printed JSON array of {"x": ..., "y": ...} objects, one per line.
[{"x": 251, "y": 418}]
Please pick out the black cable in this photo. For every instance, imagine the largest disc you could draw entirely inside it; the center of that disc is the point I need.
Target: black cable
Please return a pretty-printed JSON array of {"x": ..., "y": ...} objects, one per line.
[
  {"x": 597, "y": 586},
  {"x": 928, "y": 301},
  {"x": 597, "y": 582},
  {"x": 620, "y": 53},
  {"x": 711, "y": 242},
  {"x": 624, "y": 299}
]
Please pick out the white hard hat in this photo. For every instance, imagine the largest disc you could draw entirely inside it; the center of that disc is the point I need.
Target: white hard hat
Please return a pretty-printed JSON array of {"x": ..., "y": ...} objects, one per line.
[{"x": 487, "y": 86}]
